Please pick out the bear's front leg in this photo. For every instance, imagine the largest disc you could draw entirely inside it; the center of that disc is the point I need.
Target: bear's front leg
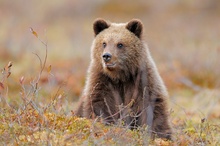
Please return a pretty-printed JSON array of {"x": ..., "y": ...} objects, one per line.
[
  {"x": 161, "y": 126},
  {"x": 105, "y": 108}
]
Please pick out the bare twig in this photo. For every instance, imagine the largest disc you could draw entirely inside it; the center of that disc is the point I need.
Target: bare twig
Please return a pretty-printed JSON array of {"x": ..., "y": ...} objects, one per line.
[{"x": 6, "y": 72}]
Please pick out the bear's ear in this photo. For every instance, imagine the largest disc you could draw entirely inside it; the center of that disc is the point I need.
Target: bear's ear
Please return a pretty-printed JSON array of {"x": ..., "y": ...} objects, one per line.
[
  {"x": 135, "y": 26},
  {"x": 99, "y": 25}
]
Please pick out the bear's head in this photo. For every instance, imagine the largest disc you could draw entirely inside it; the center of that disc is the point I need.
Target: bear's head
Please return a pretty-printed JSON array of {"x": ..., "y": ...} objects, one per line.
[{"x": 118, "y": 49}]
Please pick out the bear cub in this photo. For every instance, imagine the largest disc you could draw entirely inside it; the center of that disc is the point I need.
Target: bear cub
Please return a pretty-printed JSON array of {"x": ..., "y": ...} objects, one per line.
[{"x": 123, "y": 82}]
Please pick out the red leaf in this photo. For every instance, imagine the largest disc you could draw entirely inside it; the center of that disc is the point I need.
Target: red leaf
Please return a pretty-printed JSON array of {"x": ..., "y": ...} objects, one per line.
[{"x": 2, "y": 86}]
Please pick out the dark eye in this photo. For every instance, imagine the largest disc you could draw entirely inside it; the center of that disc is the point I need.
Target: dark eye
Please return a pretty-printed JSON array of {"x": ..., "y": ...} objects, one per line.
[
  {"x": 120, "y": 45},
  {"x": 104, "y": 45}
]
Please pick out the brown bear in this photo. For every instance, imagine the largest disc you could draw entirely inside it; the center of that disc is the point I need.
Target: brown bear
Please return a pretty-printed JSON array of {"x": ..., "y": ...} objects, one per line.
[{"x": 123, "y": 82}]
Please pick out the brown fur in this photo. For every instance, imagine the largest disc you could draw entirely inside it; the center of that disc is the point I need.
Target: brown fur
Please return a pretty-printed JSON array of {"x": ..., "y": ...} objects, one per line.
[{"x": 131, "y": 90}]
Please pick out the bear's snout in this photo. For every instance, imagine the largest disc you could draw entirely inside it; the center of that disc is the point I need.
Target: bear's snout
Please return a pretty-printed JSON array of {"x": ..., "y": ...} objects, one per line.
[{"x": 106, "y": 57}]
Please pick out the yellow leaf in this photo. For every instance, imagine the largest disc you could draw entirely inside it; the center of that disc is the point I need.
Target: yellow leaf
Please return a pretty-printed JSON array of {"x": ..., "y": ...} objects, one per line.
[
  {"x": 21, "y": 137},
  {"x": 190, "y": 130},
  {"x": 161, "y": 142},
  {"x": 49, "y": 69},
  {"x": 29, "y": 138},
  {"x": 33, "y": 32},
  {"x": 36, "y": 135}
]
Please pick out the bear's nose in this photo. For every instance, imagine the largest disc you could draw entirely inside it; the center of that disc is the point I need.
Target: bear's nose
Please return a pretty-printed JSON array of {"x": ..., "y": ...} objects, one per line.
[{"x": 107, "y": 57}]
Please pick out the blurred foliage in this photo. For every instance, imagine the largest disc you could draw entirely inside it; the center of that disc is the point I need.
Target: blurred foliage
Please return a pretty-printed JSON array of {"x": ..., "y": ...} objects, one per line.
[{"x": 183, "y": 37}]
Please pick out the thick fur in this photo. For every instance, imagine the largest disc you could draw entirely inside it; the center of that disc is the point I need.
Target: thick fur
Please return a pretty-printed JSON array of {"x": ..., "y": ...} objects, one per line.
[{"x": 132, "y": 90}]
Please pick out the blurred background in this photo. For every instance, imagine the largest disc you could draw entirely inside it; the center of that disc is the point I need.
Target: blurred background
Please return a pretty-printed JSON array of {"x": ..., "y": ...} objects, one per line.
[{"x": 183, "y": 37}]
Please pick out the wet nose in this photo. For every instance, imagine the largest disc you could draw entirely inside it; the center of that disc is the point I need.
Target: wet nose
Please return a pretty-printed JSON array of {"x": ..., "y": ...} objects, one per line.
[{"x": 107, "y": 57}]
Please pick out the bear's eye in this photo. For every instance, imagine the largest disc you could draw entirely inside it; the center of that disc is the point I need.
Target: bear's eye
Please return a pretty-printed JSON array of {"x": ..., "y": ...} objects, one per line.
[
  {"x": 120, "y": 45},
  {"x": 104, "y": 45}
]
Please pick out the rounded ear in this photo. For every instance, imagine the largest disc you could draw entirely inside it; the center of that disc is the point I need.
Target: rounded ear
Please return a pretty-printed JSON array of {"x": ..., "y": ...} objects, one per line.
[
  {"x": 99, "y": 25},
  {"x": 135, "y": 26}
]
